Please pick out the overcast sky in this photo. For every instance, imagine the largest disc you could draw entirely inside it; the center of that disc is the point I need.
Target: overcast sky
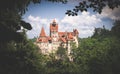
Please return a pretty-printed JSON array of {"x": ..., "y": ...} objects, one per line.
[{"x": 42, "y": 14}]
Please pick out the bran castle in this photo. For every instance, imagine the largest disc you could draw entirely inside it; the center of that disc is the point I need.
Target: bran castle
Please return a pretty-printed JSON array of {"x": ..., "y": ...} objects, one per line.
[{"x": 49, "y": 44}]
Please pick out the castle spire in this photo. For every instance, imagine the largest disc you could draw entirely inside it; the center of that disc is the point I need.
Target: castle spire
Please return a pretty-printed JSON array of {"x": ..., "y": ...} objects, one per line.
[{"x": 42, "y": 34}]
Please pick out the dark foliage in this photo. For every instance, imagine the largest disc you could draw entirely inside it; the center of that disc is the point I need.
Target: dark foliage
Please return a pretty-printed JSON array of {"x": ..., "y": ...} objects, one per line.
[
  {"x": 10, "y": 19},
  {"x": 98, "y": 54},
  {"x": 96, "y": 5}
]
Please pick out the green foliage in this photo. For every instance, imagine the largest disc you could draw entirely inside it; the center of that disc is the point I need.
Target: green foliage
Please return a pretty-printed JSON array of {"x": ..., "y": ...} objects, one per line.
[
  {"x": 61, "y": 67},
  {"x": 116, "y": 28},
  {"x": 99, "y": 54},
  {"x": 18, "y": 55},
  {"x": 59, "y": 63},
  {"x": 104, "y": 63},
  {"x": 20, "y": 58},
  {"x": 34, "y": 39},
  {"x": 14, "y": 5},
  {"x": 100, "y": 33},
  {"x": 10, "y": 19},
  {"x": 26, "y": 25},
  {"x": 61, "y": 53},
  {"x": 96, "y": 55}
]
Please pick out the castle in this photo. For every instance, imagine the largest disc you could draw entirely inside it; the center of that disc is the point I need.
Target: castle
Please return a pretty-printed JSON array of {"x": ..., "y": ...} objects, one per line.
[{"x": 49, "y": 44}]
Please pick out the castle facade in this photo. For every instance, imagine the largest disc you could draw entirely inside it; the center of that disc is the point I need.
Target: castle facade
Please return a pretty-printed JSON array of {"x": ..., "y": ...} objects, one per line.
[{"x": 49, "y": 44}]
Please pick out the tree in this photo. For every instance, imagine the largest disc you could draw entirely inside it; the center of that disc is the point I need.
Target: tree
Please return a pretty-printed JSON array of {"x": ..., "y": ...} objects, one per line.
[
  {"x": 99, "y": 53},
  {"x": 61, "y": 53},
  {"x": 10, "y": 19},
  {"x": 116, "y": 28},
  {"x": 101, "y": 32},
  {"x": 20, "y": 58},
  {"x": 18, "y": 55},
  {"x": 96, "y": 5}
]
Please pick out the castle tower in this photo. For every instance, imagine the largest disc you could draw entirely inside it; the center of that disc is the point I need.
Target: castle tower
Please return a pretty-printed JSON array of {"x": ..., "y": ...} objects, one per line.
[
  {"x": 42, "y": 37},
  {"x": 42, "y": 34},
  {"x": 76, "y": 33},
  {"x": 49, "y": 44},
  {"x": 54, "y": 31}
]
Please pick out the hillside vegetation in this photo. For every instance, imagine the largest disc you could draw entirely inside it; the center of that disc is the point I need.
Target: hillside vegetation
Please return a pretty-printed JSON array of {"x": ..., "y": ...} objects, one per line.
[{"x": 98, "y": 54}]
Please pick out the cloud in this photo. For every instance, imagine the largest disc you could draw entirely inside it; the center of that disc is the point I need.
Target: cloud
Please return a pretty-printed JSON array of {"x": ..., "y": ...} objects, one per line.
[
  {"x": 85, "y": 18},
  {"x": 109, "y": 13},
  {"x": 84, "y": 23},
  {"x": 37, "y": 23}
]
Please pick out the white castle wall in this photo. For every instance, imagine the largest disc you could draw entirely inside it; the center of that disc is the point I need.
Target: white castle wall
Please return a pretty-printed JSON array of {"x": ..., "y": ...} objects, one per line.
[{"x": 47, "y": 48}]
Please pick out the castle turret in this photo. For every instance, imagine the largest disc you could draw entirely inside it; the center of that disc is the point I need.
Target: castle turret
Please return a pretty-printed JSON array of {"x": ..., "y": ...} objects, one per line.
[
  {"x": 76, "y": 33},
  {"x": 50, "y": 44},
  {"x": 42, "y": 34},
  {"x": 42, "y": 37},
  {"x": 54, "y": 31}
]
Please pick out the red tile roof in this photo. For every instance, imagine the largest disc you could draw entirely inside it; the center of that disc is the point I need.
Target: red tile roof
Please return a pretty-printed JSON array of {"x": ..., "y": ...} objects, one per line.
[
  {"x": 49, "y": 38},
  {"x": 64, "y": 40},
  {"x": 70, "y": 36},
  {"x": 61, "y": 34},
  {"x": 42, "y": 34},
  {"x": 43, "y": 39}
]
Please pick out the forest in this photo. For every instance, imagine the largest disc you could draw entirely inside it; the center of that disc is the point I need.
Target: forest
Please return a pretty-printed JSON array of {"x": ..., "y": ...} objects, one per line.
[{"x": 98, "y": 54}]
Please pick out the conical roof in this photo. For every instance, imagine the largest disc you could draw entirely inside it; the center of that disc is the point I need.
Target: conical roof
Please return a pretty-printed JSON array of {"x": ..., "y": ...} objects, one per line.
[{"x": 42, "y": 34}]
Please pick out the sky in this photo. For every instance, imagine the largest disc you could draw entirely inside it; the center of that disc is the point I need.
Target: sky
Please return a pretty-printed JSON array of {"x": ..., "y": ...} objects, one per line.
[{"x": 41, "y": 15}]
